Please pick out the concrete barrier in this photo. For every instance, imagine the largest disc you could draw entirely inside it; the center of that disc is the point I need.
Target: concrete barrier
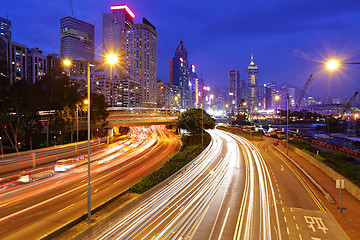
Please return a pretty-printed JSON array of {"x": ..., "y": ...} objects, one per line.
[{"x": 349, "y": 186}]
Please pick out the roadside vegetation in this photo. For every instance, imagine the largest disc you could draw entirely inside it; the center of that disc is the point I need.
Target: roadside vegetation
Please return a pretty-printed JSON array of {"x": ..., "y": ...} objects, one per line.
[
  {"x": 246, "y": 134},
  {"x": 192, "y": 146},
  {"x": 339, "y": 162}
]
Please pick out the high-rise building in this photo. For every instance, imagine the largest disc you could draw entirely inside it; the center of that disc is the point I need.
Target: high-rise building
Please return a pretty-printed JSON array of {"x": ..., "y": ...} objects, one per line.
[
  {"x": 5, "y": 28},
  {"x": 234, "y": 81},
  {"x": 161, "y": 90},
  {"x": 114, "y": 27},
  {"x": 76, "y": 39},
  {"x": 193, "y": 87},
  {"x": 252, "y": 86},
  {"x": 179, "y": 74},
  {"x": 4, "y": 70},
  {"x": 17, "y": 61},
  {"x": 36, "y": 65},
  {"x": 141, "y": 42},
  {"x": 136, "y": 44}
]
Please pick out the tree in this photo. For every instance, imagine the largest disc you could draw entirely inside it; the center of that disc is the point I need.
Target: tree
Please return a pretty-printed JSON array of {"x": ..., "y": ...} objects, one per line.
[
  {"x": 19, "y": 105},
  {"x": 98, "y": 110},
  {"x": 191, "y": 120}
]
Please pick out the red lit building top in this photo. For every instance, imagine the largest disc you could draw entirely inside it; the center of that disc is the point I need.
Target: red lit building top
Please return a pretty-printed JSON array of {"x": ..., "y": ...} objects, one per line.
[{"x": 125, "y": 8}]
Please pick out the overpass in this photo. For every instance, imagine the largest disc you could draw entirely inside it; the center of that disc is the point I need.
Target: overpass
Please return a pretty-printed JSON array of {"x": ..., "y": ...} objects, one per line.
[{"x": 127, "y": 117}]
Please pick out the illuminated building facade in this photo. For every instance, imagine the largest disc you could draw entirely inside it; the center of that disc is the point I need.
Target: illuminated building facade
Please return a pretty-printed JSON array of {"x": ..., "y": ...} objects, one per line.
[
  {"x": 136, "y": 45},
  {"x": 252, "y": 96},
  {"x": 36, "y": 65},
  {"x": 76, "y": 39},
  {"x": 234, "y": 82},
  {"x": 5, "y": 28},
  {"x": 179, "y": 74}
]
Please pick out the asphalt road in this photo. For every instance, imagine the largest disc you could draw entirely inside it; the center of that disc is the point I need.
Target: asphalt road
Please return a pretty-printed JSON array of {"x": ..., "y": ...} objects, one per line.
[
  {"x": 33, "y": 210},
  {"x": 231, "y": 191}
]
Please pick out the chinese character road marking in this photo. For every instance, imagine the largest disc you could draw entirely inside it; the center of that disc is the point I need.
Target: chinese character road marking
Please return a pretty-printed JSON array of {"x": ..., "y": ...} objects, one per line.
[{"x": 315, "y": 220}]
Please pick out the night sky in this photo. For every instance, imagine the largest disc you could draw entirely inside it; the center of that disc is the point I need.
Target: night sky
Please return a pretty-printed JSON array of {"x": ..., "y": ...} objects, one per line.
[{"x": 289, "y": 39}]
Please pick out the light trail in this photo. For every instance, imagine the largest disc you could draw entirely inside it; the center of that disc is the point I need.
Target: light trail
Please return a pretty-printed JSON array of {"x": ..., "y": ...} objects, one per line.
[
  {"x": 176, "y": 210},
  {"x": 47, "y": 200}
]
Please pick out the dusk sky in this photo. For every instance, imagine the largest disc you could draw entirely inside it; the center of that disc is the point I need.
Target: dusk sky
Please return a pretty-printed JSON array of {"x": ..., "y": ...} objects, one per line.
[{"x": 289, "y": 39}]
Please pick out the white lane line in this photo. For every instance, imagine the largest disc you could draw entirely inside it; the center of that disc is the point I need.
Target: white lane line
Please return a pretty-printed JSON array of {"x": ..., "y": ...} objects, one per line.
[
  {"x": 300, "y": 236},
  {"x": 297, "y": 227},
  {"x": 281, "y": 202},
  {"x": 223, "y": 226},
  {"x": 66, "y": 207},
  {"x": 287, "y": 229},
  {"x": 283, "y": 210},
  {"x": 285, "y": 219},
  {"x": 294, "y": 217}
]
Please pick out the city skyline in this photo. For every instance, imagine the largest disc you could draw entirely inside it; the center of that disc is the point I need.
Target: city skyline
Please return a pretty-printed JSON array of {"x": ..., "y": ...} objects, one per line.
[{"x": 289, "y": 41}]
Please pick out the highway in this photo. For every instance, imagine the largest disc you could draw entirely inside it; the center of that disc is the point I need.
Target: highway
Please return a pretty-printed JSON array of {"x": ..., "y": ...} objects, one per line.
[
  {"x": 230, "y": 191},
  {"x": 33, "y": 210}
]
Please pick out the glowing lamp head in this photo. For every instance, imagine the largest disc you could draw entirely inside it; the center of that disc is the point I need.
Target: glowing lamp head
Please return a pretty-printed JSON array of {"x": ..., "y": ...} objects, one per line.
[
  {"x": 181, "y": 60},
  {"x": 67, "y": 62},
  {"x": 356, "y": 115},
  {"x": 244, "y": 104},
  {"x": 332, "y": 64},
  {"x": 111, "y": 58},
  {"x": 86, "y": 101},
  {"x": 277, "y": 97}
]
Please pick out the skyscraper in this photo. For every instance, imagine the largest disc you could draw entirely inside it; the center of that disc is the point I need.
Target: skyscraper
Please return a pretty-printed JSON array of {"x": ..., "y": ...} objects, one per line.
[
  {"x": 252, "y": 86},
  {"x": 136, "y": 44},
  {"x": 179, "y": 74},
  {"x": 234, "y": 81},
  {"x": 77, "y": 39},
  {"x": 141, "y": 64}
]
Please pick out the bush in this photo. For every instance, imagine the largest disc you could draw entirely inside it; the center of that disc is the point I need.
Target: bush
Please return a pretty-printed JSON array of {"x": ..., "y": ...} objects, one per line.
[
  {"x": 186, "y": 154},
  {"x": 339, "y": 162}
]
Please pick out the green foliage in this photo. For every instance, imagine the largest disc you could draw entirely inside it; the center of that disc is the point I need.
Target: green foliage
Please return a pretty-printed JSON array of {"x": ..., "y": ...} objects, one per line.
[
  {"x": 339, "y": 162},
  {"x": 191, "y": 120},
  {"x": 186, "y": 154}
]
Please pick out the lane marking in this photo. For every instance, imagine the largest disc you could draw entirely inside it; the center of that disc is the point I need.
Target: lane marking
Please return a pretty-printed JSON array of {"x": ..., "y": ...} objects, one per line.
[
  {"x": 305, "y": 185},
  {"x": 223, "y": 226},
  {"x": 66, "y": 207}
]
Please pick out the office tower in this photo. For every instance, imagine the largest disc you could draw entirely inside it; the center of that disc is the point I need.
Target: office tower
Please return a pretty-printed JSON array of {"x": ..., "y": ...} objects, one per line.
[
  {"x": 234, "y": 81},
  {"x": 141, "y": 42},
  {"x": 179, "y": 74},
  {"x": 193, "y": 87},
  {"x": 114, "y": 27},
  {"x": 76, "y": 39},
  {"x": 36, "y": 65},
  {"x": 270, "y": 93},
  {"x": 252, "y": 86},
  {"x": 5, "y": 28},
  {"x": 136, "y": 44}
]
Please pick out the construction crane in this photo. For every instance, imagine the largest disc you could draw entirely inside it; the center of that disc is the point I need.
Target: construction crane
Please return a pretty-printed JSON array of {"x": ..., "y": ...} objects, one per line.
[
  {"x": 303, "y": 93},
  {"x": 72, "y": 9},
  {"x": 348, "y": 104}
]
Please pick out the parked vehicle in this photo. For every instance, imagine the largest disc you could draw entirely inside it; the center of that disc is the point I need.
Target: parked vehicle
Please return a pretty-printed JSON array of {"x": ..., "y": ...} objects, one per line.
[{"x": 280, "y": 134}]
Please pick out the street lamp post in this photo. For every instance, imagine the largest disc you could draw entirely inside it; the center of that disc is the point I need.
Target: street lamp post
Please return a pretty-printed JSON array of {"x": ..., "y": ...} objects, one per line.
[
  {"x": 287, "y": 125},
  {"x": 2, "y": 150},
  {"x": 112, "y": 59},
  {"x": 277, "y": 98}
]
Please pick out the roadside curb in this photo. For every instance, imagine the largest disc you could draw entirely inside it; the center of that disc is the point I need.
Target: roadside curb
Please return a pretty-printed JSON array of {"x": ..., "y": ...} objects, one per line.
[{"x": 317, "y": 185}]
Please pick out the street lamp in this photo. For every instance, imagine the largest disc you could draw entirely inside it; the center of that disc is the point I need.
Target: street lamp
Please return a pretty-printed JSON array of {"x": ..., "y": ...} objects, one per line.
[
  {"x": 111, "y": 59},
  {"x": 277, "y": 98},
  {"x": 333, "y": 64},
  {"x": 2, "y": 150},
  {"x": 287, "y": 125}
]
